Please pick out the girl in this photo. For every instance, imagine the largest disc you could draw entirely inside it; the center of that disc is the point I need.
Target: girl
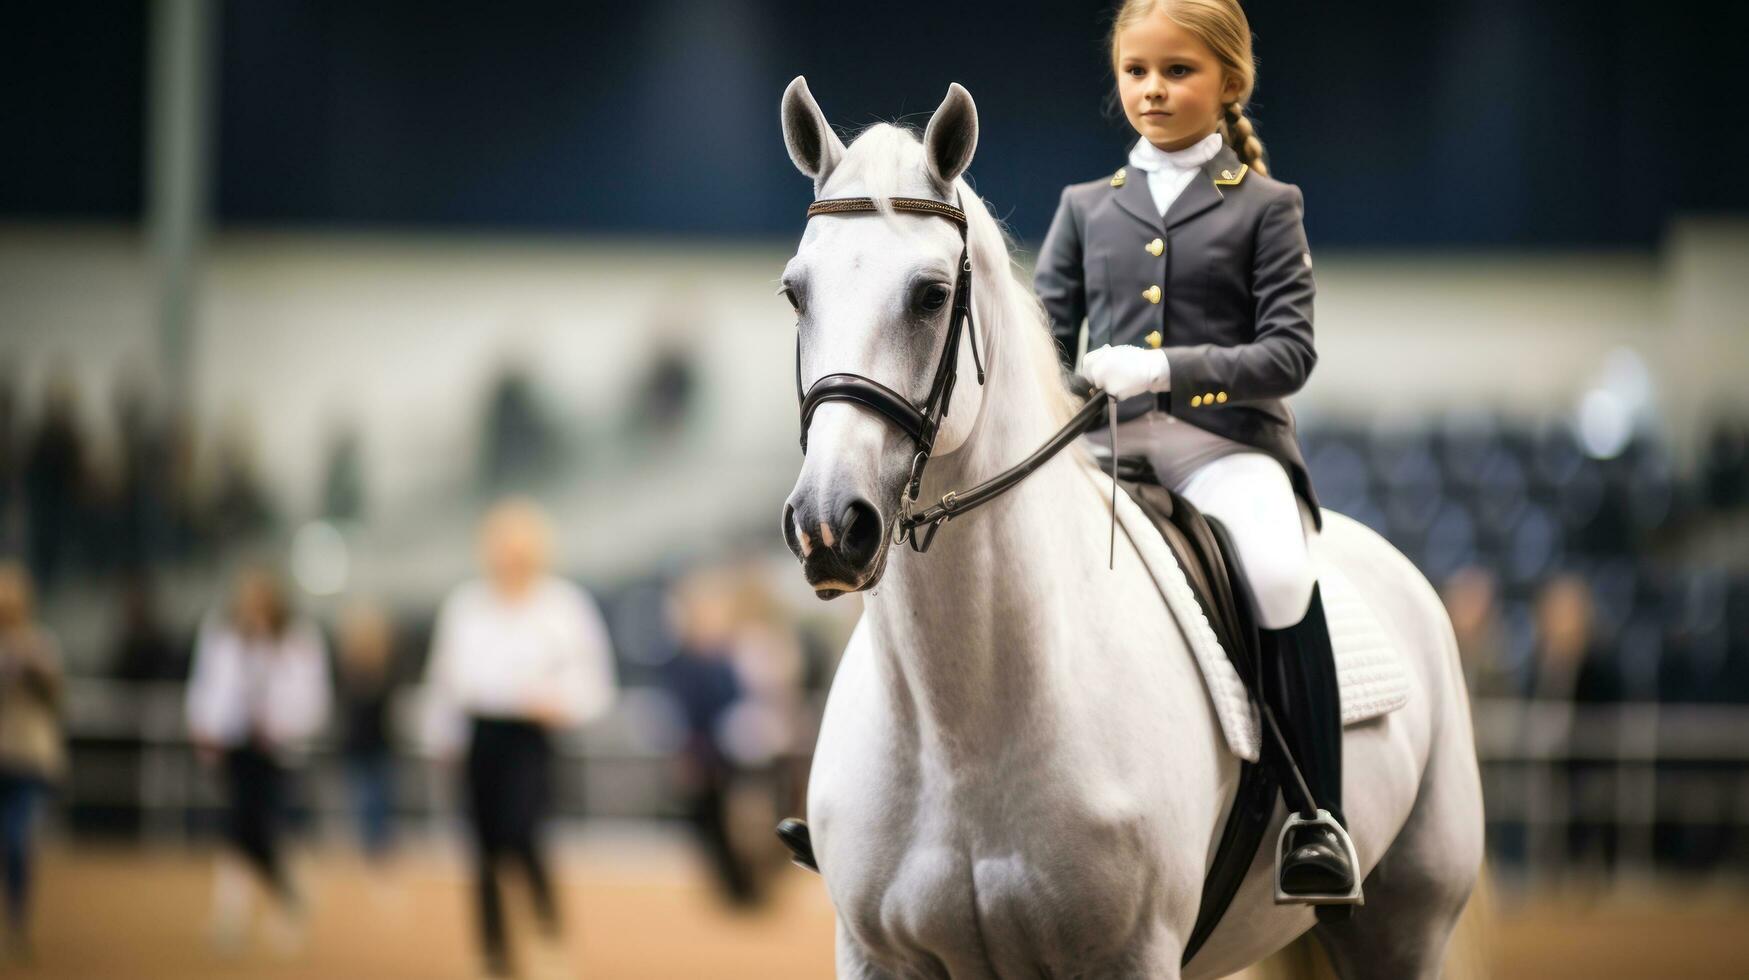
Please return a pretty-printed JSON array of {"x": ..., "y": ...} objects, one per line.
[{"x": 1191, "y": 269}]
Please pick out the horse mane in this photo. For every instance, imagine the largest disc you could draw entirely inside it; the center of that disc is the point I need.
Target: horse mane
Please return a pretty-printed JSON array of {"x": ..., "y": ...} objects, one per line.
[{"x": 886, "y": 160}]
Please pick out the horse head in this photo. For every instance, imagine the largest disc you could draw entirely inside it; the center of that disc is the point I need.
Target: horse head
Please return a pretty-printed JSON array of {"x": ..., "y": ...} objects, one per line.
[{"x": 875, "y": 297}]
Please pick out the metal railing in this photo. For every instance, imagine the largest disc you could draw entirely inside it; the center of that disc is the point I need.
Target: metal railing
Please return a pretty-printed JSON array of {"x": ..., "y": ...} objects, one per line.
[{"x": 1623, "y": 770}]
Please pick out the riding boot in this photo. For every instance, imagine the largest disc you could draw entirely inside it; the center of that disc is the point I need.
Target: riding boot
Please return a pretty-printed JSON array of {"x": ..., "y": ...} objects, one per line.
[{"x": 1309, "y": 705}]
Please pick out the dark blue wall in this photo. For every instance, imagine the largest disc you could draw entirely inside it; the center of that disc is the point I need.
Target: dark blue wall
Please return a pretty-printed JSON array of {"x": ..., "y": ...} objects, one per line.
[
  {"x": 72, "y": 109},
  {"x": 1528, "y": 122}
]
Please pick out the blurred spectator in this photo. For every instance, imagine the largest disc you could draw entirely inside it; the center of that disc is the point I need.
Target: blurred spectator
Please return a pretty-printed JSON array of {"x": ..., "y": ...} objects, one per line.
[
  {"x": 343, "y": 483},
  {"x": 239, "y": 506},
  {"x": 145, "y": 488},
  {"x": 1472, "y": 601},
  {"x": 515, "y": 657},
  {"x": 1569, "y": 664},
  {"x": 1572, "y": 667},
  {"x": 518, "y": 441},
  {"x": 144, "y": 650},
  {"x": 11, "y": 465},
  {"x": 54, "y": 481},
  {"x": 1727, "y": 463},
  {"x": 765, "y": 729},
  {"x": 737, "y": 679},
  {"x": 664, "y": 393},
  {"x": 259, "y": 692},
  {"x": 366, "y": 673},
  {"x": 32, "y": 755},
  {"x": 704, "y": 684}
]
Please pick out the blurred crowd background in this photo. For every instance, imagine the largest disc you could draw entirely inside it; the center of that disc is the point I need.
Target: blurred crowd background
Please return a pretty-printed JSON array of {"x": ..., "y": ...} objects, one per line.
[{"x": 296, "y": 294}]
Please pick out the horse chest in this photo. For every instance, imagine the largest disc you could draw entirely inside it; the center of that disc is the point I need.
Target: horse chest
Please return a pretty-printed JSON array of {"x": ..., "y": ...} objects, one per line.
[{"x": 1069, "y": 889}]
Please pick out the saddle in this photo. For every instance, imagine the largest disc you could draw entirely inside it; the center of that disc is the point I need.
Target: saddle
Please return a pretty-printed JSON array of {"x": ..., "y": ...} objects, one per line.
[{"x": 1205, "y": 552}]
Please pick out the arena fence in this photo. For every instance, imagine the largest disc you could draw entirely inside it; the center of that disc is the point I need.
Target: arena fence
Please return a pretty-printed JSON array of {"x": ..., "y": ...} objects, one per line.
[{"x": 1617, "y": 790}]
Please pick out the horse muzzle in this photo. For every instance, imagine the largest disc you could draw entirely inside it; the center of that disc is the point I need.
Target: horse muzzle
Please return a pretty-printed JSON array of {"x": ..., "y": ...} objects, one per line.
[{"x": 840, "y": 542}]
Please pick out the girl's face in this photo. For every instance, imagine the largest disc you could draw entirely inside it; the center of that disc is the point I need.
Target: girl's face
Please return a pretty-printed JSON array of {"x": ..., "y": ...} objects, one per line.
[{"x": 1171, "y": 85}]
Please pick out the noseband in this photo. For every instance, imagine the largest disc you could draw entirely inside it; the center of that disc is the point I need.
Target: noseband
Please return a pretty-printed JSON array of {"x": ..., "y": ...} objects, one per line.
[{"x": 920, "y": 422}]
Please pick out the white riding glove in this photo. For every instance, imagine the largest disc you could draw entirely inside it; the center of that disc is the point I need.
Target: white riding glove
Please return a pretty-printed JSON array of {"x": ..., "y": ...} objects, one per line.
[{"x": 1125, "y": 371}]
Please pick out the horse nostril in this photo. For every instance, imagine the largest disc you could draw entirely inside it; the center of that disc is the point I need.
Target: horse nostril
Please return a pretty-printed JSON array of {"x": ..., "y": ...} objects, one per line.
[
  {"x": 859, "y": 533},
  {"x": 789, "y": 531}
]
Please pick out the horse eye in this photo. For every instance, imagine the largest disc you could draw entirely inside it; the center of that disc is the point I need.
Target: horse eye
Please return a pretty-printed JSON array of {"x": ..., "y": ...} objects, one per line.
[
  {"x": 932, "y": 298},
  {"x": 794, "y": 301}
]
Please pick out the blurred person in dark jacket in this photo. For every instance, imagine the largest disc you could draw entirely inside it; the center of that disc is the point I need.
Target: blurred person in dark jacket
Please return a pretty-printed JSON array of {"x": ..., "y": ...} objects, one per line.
[
  {"x": 55, "y": 481},
  {"x": 1570, "y": 664},
  {"x": 519, "y": 444},
  {"x": 11, "y": 465},
  {"x": 1472, "y": 600},
  {"x": 32, "y": 754},
  {"x": 239, "y": 507},
  {"x": 144, "y": 488},
  {"x": 516, "y": 657},
  {"x": 706, "y": 687},
  {"x": 1572, "y": 667},
  {"x": 366, "y": 644},
  {"x": 143, "y": 649},
  {"x": 737, "y": 679},
  {"x": 258, "y": 693}
]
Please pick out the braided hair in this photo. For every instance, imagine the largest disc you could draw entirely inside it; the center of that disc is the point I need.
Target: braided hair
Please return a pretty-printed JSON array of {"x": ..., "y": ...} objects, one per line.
[{"x": 1237, "y": 130}]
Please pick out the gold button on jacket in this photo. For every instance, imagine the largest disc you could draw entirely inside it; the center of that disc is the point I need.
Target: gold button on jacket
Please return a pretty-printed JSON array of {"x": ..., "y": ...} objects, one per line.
[
  {"x": 1152, "y": 294},
  {"x": 1154, "y": 339},
  {"x": 1155, "y": 247}
]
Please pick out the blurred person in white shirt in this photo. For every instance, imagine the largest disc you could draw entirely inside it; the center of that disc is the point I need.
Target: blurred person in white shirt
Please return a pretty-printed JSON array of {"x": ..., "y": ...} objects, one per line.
[
  {"x": 258, "y": 693},
  {"x": 515, "y": 656}
]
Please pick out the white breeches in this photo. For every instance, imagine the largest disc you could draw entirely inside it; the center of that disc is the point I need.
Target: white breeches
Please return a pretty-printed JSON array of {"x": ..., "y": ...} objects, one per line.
[{"x": 1249, "y": 493}]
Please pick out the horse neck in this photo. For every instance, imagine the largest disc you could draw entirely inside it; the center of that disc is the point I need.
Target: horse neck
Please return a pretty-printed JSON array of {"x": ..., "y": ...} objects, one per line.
[{"x": 967, "y": 626}]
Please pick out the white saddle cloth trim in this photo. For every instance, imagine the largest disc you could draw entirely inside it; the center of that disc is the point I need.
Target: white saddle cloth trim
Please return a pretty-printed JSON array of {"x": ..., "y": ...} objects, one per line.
[{"x": 1369, "y": 672}]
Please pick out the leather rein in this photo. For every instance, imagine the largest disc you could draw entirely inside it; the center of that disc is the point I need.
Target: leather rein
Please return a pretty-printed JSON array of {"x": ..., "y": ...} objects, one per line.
[{"x": 923, "y": 422}]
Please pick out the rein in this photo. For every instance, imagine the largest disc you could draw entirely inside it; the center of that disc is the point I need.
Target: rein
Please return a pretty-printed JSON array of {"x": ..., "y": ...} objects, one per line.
[
  {"x": 957, "y": 502},
  {"x": 922, "y": 422}
]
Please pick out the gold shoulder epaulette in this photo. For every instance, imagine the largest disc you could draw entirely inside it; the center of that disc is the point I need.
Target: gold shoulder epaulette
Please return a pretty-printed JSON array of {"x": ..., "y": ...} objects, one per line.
[
  {"x": 1118, "y": 178},
  {"x": 1231, "y": 178}
]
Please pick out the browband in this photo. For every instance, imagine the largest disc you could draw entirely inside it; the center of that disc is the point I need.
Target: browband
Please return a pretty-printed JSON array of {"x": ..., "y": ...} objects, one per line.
[{"x": 916, "y": 205}]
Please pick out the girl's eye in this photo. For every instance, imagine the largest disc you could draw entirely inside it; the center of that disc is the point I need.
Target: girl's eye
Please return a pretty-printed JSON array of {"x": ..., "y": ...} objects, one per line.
[
  {"x": 1178, "y": 71},
  {"x": 1136, "y": 72}
]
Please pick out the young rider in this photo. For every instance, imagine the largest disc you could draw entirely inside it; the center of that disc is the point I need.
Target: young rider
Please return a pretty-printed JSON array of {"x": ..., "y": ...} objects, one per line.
[{"x": 1191, "y": 269}]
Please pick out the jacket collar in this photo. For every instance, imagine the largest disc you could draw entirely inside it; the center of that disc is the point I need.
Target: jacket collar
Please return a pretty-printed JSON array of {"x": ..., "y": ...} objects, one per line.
[{"x": 1201, "y": 194}]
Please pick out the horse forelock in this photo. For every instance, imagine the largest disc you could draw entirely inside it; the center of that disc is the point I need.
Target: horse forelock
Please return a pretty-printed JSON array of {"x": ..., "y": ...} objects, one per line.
[{"x": 886, "y": 161}]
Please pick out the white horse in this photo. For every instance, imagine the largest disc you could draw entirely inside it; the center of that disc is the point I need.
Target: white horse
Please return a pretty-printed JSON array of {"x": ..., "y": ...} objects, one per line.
[{"x": 1020, "y": 771}]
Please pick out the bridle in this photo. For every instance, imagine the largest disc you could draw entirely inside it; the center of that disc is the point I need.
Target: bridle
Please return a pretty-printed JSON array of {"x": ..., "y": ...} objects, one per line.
[
  {"x": 923, "y": 422},
  {"x": 920, "y": 422}
]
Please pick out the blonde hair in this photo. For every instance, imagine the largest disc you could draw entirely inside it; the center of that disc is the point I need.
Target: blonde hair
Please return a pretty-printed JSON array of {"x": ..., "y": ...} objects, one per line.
[{"x": 1221, "y": 25}]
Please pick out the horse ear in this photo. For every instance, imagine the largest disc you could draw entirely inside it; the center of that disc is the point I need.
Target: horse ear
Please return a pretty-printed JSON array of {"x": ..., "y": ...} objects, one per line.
[
  {"x": 812, "y": 144},
  {"x": 952, "y": 136}
]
